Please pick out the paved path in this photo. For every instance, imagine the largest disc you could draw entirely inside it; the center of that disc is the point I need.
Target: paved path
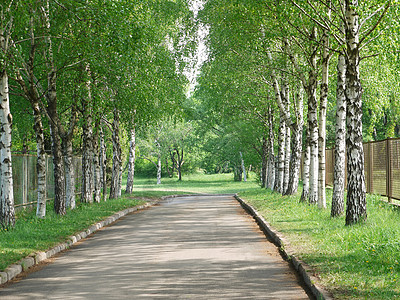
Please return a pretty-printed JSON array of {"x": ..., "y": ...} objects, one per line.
[{"x": 197, "y": 247}]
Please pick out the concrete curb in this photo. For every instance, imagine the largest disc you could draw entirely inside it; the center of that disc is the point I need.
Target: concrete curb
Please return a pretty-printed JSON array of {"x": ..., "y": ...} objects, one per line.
[
  {"x": 276, "y": 237},
  {"x": 35, "y": 258}
]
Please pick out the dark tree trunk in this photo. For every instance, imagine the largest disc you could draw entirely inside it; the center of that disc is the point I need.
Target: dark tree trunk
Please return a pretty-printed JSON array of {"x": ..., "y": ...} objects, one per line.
[{"x": 356, "y": 209}]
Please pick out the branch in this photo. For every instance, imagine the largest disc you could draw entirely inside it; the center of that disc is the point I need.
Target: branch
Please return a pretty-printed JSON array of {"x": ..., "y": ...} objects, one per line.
[
  {"x": 146, "y": 158},
  {"x": 374, "y": 38},
  {"x": 309, "y": 16},
  {"x": 376, "y": 24},
  {"x": 369, "y": 56}
]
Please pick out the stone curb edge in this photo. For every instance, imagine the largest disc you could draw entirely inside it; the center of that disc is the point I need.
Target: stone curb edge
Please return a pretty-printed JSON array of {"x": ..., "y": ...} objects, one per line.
[
  {"x": 302, "y": 268},
  {"x": 35, "y": 258}
]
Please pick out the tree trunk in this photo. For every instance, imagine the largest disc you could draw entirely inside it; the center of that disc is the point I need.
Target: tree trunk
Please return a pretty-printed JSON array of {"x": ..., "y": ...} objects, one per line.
[
  {"x": 41, "y": 162},
  {"x": 356, "y": 209},
  {"x": 131, "y": 163},
  {"x": 159, "y": 170},
  {"x": 119, "y": 186},
  {"x": 340, "y": 141},
  {"x": 243, "y": 167},
  {"x": 295, "y": 160},
  {"x": 87, "y": 153},
  {"x": 264, "y": 157},
  {"x": 59, "y": 176},
  {"x": 96, "y": 164},
  {"x": 237, "y": 173},
  {"x": 313, "y": 130},
  {"x": 116, "y": 165},
  {"x": 306, "y": 168},
  {"x": 281, "y": 156},
  {"x": 270, "y": 183},
  {"x": 179, "y": 163},
  {"x": 51, "y": 96},
  {"x": 322, "y": 123},
  {"x": 286, "y": 172},
  {"x": 7, "y": 213},
  {"x": 69, "y": 171},
  {"x": 103, "y": 164}
]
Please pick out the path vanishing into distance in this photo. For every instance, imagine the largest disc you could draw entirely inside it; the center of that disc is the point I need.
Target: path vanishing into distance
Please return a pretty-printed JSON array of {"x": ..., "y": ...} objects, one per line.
[{"x": 192, "y": 247}]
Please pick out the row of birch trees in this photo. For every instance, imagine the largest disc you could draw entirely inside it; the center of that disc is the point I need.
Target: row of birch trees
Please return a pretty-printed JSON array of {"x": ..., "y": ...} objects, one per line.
[
  {"x": 284, "y": 65},
  {"x": 85, "y": 73}
]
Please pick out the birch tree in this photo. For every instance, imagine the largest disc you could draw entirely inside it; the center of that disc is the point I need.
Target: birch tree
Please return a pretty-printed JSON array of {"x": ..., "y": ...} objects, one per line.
[
  {"x": 340, "y": 140},
  {"x": 356, "y": 209},
  {"x": 132, "y": 157},
  {"x": 7, "y": 214}
]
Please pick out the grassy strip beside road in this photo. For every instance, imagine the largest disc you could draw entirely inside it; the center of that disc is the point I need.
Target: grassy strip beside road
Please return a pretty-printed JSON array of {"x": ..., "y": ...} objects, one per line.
[
  {"x": 32, "y": 234},
  {"x": 354, "y": 262}
]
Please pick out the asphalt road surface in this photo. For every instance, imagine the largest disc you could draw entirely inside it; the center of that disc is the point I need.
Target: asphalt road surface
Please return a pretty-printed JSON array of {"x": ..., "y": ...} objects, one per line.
[{"x": 197, "y": 247}]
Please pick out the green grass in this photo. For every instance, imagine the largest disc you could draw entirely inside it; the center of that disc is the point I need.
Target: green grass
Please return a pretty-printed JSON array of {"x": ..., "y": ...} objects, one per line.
[
  {"x": 193, "y": 183},
  {"x": 354, "y": 262},
  {"x": 32, "y": 234}
]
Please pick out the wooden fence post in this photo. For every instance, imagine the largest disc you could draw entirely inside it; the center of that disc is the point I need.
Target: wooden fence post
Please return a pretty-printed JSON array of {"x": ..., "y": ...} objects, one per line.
[
  {"x": 388, "y": 170},
  {"x": 370, "y": 168},
  {"x": 24, "y": 179}
]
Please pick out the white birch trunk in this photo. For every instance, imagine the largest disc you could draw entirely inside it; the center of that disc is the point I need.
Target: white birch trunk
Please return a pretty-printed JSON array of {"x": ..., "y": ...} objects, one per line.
[
  {"x": 313, "y": 127},
  {"x": 103, "y": 164},
  {"x": 119, "y": 186},
  {"x": 243, "y": 167},
  {"x": 295, "y": 158},
  {"x": 87, "y": 153},
  {"x": 264, "y": 165},
  {"x": 281, "y": 156},
  {"x": 310, "y": 85},
  {"x": 287, "y": 161},
  {"x": 288, "y": 123},
  {"x": 7, "y": 213},
  {"x": 270, "y": 182},
  {"x": 96, "y": 166},
  {"x": 159, "y": 169},
  {"x": 306, "y": 171},
  {"x": 69, "y": 173},
  {"x": 356, "y": 208},
  {"x": 131, "y": 162},
  {"x": 322, "y": 123},
  {"x": 340, "y": 141},
  {"x": 41, "y": 162},
  {"x": 116, "y": 164}
]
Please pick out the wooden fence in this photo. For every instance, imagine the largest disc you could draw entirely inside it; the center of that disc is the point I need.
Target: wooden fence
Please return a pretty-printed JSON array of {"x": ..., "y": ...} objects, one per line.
[
  {"x": 25, "y": 178},
  {"x": 382, "y": 167}
]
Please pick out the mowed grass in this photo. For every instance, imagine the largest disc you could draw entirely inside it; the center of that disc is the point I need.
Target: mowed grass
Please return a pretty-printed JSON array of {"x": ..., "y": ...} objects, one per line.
[
  {"x": 353, "y": 262},
  {"x": 193, "y": 183},
  {"x": 32, "y": 234}
]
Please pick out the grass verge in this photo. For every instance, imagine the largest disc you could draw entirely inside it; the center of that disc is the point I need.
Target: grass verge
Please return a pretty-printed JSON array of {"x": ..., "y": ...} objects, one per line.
[
  {"x": 353, "y": 262},
  {"x": 32, "y": 234}
]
